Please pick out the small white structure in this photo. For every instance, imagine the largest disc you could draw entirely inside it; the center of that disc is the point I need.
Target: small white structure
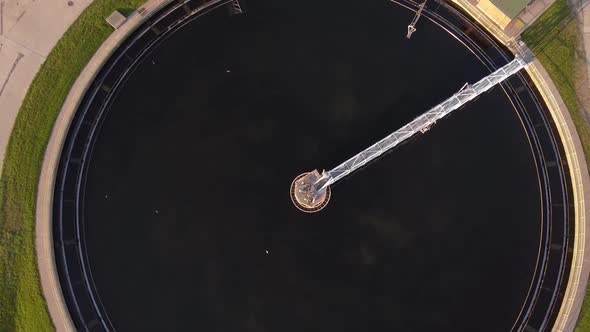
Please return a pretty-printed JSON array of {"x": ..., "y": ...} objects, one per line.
[
  {"x": 116, "y": 19},
  {"x": 412, "y": 26}
]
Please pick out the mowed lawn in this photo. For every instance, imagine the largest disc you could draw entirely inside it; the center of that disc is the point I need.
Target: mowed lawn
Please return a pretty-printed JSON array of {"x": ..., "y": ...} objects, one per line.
[
  {"x": 22, "y": 307},
  {"x": 555, "y": 38}
]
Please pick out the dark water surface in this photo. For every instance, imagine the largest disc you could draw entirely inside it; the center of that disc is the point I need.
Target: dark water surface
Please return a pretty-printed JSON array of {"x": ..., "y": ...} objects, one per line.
[{"x": 188, "y": 183}]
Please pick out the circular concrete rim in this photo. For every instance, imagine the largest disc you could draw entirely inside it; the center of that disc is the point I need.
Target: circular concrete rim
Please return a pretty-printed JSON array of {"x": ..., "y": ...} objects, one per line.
[
  {"x": 580, "y": 267},
  {"x": 578, "y": 277},
  {"x": 43, "y": 224},
  {"x": 50, "y": 284}
]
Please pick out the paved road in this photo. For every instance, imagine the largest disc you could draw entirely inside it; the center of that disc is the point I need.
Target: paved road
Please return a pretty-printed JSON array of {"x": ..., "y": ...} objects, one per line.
[{"x": 28, "y": 31}]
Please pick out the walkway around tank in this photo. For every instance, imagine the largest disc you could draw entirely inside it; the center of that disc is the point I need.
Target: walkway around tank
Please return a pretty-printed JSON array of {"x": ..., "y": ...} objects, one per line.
[
  {"x": 22, "y": 41},
  {"x": 44, "y": 208},
  {"x": 43, "y": 227},
  {"x": 578, "y": 278},
  {"x": 29, "y": 30},
  {"x": 586, "y": 33}
]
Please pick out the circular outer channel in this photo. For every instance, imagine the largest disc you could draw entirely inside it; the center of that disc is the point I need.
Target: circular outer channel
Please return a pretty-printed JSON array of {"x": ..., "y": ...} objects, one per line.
[{"x": 548, "y": 284}]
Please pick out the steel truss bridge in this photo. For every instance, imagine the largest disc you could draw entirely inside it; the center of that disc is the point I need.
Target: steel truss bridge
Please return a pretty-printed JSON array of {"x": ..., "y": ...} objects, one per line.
[{"x": 421, "y": 124}]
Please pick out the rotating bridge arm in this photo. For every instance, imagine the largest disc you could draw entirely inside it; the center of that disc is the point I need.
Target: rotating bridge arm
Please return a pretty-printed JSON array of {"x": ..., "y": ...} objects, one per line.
[{"x": 421, "y": 124}]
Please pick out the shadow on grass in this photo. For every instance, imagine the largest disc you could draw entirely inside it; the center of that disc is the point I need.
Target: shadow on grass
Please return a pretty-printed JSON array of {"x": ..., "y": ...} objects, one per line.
[
  {"x": 548, "y": 26},
  {"x": 126, "y": 11}
]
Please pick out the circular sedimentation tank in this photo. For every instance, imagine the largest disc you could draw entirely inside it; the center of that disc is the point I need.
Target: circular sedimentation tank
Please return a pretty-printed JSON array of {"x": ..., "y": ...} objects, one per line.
[{"x": 170, "y": 209}]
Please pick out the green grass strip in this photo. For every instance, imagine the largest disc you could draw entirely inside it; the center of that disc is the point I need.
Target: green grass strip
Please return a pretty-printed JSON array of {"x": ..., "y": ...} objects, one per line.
[
  {"x": 550, "y": 24},
  {"x": 554, "y": 38},
  {"x": 558, "y": 56},
  {"x": 22, "y": 307}
]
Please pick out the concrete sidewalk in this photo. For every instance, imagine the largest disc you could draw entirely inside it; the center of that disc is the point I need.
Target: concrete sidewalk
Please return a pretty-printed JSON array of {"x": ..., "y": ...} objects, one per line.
[{"x": 28, "y": 31}]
